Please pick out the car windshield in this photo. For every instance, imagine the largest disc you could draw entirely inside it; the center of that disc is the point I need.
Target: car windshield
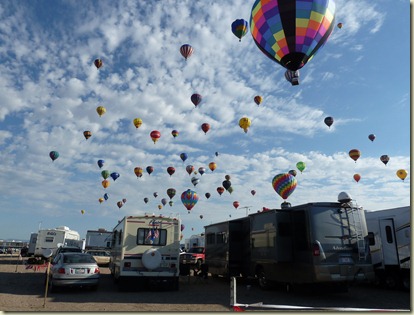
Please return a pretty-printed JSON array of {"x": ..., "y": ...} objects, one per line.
[
  {"x": 196, "y": 250},
  {"x": 78, "y": 259}
]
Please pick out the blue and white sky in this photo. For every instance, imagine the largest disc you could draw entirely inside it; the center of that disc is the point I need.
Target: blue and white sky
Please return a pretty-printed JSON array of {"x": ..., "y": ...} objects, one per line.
[{"x": 50, "y": 89}]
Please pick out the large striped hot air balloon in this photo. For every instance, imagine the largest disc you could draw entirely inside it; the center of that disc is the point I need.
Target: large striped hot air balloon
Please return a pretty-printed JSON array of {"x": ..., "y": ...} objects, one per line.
[{"x": 284, "y": 184}]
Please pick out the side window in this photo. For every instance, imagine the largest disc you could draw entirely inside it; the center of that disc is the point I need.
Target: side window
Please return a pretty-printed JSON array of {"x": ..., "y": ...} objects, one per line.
[
  {"x": 388, "y": 233},
  {"x": 114, "y": 235},
  {"x": 300, "y": 230},
  {"x": 49, "y": 239},
  {"x": 120, "y": 237},
  {"x": 221, "y": 238},
  {"x": 371, "y": 239}
]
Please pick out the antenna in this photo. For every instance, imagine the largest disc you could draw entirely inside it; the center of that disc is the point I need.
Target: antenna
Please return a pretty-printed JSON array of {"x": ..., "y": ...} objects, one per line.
[{"x": 247, "y": 209}]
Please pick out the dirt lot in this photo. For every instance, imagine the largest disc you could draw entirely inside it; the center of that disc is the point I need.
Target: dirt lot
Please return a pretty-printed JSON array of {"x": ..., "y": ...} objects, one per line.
[{"x": 23, "y": 289}]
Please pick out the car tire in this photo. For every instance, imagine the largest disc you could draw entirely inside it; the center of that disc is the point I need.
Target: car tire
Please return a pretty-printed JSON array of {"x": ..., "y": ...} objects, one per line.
[{"x": 52, "y": 287}]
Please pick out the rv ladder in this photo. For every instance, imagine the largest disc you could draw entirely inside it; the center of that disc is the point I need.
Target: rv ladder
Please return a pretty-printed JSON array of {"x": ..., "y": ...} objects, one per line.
[{"x": 355, "y": 214}]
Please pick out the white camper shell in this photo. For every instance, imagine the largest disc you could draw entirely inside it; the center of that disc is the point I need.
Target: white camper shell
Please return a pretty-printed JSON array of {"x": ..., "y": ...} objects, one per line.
[
  {"x": 145, "y": 252},
  {"x": 389, "y": 234},
  {"x": 32, "y": 244},
  {"x": 54, "y": 238},
  {"x": 322, "y": 243}
]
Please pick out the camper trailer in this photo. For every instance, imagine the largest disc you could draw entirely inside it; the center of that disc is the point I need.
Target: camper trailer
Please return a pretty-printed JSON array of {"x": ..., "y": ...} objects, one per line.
[
  {"x": 54, "y": 238},
  {"x": 389, "y": 234},
  {"x": 98, "y": 239},
  {"x": 145, "y": 252},
  {"x": 32, "y": 244},
  {"x": 316, "y": 243}
]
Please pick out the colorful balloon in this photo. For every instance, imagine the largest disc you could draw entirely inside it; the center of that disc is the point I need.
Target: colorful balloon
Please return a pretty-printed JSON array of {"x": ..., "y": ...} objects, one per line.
[
  {"x": 195, "y": 181},
  {"x": 196, "y": 99},
  {"x": 183, "y": 156},
  {"x": 171, "y": 192},
  {"x": 300, "y": 166},
  {"x": 115, "y": 175},
  {"x": 82, "y": 211},
  {"x": 291, "y": 32},
  {"x": 98, "y": 63},
  {"x": 357, "y": 177},
  {"x": 105, "y": 183},
  {"x": 205, "y": 127},
  {"x": 284, "y": 184},
  {"x": 329, "y": 121},
  {"x": 239, "y": 28},
  {"x": 292, "y": 172},
  {"x": 245, "y": 123},
  {"x": 170, "y": 170},
  {"x": 159, "y": 207},
  {"x": 155, "y": 135},
  {"x": 174, "y": 133},
  {"x": 226, "y": 184},
  {"x": 220, "y": 190},
  {"x": 106, "y": 196},
  {"x": 354, "y": 154},
  {"x": 189, "y": 169},
  {"x": 186, "y": 51},
  {"x": 384, "y": 159},
  {"x": 149, "y": 169},
  {"x": 212, "y": 166},
  {"x": 87, "y": 134},
  {"x": 236, "y": 204},
  {"x": 155, "y": 195},
  {"x": 189, "y": 199},
  {"x": 105, "y": 174},
  {"x": 137, "y": 122},
  {"x": 119, "y": 204},
  {"x": 171, "y": 203},
  {"x": 138, "y": 171},
  {"x": 164, "y": 201},
  {"x": 292, "y": 76},
  {"x": 201, "y": 170},
  {"x": 339, "y": 25},
  {"x": 371, "y": 137},
  {"x": 100, "y": 110},
  {"x": 101, "y": 163},
  {"x": 258, "y": 99},
  {"x": 54, "y": 155},
  {"x": 402, "y": 174}
]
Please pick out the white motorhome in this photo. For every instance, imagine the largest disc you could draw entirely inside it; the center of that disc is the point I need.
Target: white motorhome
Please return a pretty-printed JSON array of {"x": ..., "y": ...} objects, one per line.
[
  {"x": 98, "y": 239},
  {"x": 54, "y": 238},
  {"x": 32, "y": 244},
  {"x": 145, "y": 252},
  {"x": 389, "y": 233}
]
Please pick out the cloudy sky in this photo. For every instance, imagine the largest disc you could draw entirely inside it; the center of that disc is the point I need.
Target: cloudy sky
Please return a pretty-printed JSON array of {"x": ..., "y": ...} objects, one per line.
[{"x": 50, "y": 89}]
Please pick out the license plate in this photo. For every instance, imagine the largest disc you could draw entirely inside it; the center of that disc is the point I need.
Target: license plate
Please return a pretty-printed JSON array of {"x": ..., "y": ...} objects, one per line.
[
  {"x": 345, "y": 260},
  {"x": 80, "y": 271}
]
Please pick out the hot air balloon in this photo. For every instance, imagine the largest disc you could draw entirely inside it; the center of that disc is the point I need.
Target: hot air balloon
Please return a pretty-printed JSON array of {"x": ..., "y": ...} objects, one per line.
[
  {"x": 155, "y": 194},
  {"x": 236, "y": 204},
  {"x": 171, "y": 192},
  {"x": 258, "y": 99},
  {"x": 201, "y": 170},
  {"x": 357, "y": 177},
  {"x": 189, "y": 169},
  {"x": 239, "y": 28},
  {"x": 100, "y": 110},
  {"x": 217, "y": 154},
  {"x": 159, "y": 207},
  {"x": 189, "y": 199},
  {"x": 371, "y": 137},
  {"x": 253, "y": 192},
  {"x": 329, "y": 121},
  {"x": 245, "y": 123},
  {"x": 201, "y": 216},
  {"x": 402, "y": 174},
  {"x": 300, "y": 166},
  {"x": 339, "y": 25},
  {"x": 170, "y": 170},
  {"x": 230, "y": 190},
  {"x": 101, "y": 163},
  {"x": 155, "y": 135},
  {"x": 98, "y": 63},
  {"x": 227, "y": 177},
  {"x": 105, "y": 183},
  {"x": 164, "y": 201},
  {"x": 220, "y": 190},
  {"x": 174, "y": 133},
  {"x": 146, "y": 200},
  {"x": 291, "y": 32},
  {"x": 87, "y": 134},
  {"x": 105, "y": 174},
  {"x": 196, "y": 99},
  {"x": 171, "y": 203},
  {"x": 205, "y": 127},
  {"x": 115, "y": 175},
  {"x": 384, "y": 159},
  {"x": 119, "y": 204},
  {"x": 101, "y": 200},
  {"x": 292, "y": 172},
  {"x": 226, "y": 184},
  {"x": 182, "y": 227},
  {"x": 354, "y": 154},
  {"x": 124, "y": 200},
  {"x": 208, "y": 195},
  {"x": 183, "y": 156},
  {"x": 212, "y": 166},
  {"x": 195, "y": 181},
  {"x": 106, "y": 196},
  {"x": 54, "y": 155},
  {"x": 137, "y": 122},
  {"x": 284, "y": 184},
  {"x": 82, "y": 211},
  {"x": 292, "y": 76},
  {"x": 186, "y": 51},
  {"x": 138, "y": 171},
  {"x": 149, "y": 169}
]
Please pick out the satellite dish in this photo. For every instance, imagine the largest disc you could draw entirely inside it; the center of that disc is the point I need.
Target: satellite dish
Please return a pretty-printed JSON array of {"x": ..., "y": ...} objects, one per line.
[{"x": 47, "y": 252}]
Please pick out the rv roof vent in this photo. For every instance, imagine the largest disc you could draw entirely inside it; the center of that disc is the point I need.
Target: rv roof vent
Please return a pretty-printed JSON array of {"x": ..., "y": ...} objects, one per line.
[
  {"x": 285, "y": 205},
  {"x": 101, "y": 230},
  {"x": 62, "y": 228},
  {"x": 344, "y": 197}
]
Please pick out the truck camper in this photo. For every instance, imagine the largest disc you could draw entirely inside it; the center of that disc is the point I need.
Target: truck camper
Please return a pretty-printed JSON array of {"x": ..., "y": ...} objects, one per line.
[
  {"x": 145, "y": 252},
  {"x": 324, "y": 243},
  {"x": 55, "y": 238}
]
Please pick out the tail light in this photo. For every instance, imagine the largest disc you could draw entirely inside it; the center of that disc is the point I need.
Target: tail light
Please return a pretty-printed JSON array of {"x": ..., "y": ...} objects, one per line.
[
  {"x": 316, "y": 250},
  {"x": 61, "y": 270},
  {"x": 97, "y": 270}
]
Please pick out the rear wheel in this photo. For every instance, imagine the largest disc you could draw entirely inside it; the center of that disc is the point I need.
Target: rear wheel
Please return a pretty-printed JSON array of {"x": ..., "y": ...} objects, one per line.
[{"x": 391, "y": 281}]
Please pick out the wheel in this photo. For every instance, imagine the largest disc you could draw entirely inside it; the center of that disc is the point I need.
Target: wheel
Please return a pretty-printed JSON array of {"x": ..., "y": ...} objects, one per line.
[
  {"x": 52, "y": 287},
  {"x": 263, "y": 281}
]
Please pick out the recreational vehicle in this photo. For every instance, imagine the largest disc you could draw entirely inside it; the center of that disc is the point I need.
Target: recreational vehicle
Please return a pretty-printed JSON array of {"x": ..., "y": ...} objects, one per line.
[
  {"x": 316, "y": 243},
  {"x": 389, "y": 233},
  {"x": 32, "y": 244},
  {"x": 98, "y": 239},
  {"x": 54, "y": 238},
  {"x": 145, "y": 252}
]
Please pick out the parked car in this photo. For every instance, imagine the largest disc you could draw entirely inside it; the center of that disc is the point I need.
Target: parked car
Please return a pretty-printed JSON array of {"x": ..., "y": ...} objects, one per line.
[
  {"x": 102, "y": 257},
  {"x": 24, "y": 251},
  {"x": 68, "y": 249},
  {"x": 74, "y": 270},
  {"x": 193, "y": 257}
]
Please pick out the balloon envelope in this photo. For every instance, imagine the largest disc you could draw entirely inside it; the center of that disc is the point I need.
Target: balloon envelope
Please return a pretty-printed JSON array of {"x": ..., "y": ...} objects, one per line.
[
  {"x": 105, "y": 183},
  {"x": 292, "y": 172},
  {"x": 354, "y": 154},
  {"x": 186, "y": 51},
  {"x": 54, "y": 155},
  {"x": 146, "y": 199},
  {"x": 155, "y": 135},
  {"x": 402, "y": 174},
  {"x": 384, "y": 159},
  {"x": 100, "y": 110},
  {"x": 226, "y": 184},
  {"x": 329, "y": 121},
  {"x": 357, "y": 177},
  {"x": 291, "y": 32},
  {"x": 105, "y": 174},
  {"x": 205, "y": 127},
  {"x": 87, "y": 134},
  {"x": 236, "y": 204},
  {"x": 189, "y": 199},
  {"x": 114, "y": 175},
  {"x": 196, "y": 99},
  {"x": 245, "y": 123},
  {"x": 300, "y": 166},
  {"x": 171, "y": 192},
  {"x": 239, "y": 28},
  {"x": 212, "y": 166},
  {"x": 189, "y": 169},
  {"x": 183, "y": 156},
  {"x": 284, "y": 184},
  {"x": 371, "y": 137},
  {"x": 208, "y": 195},
  {"x": 137, "y": 122},
  {"x": 258, "y": 99},
  {"x": 101, "y": 163},
  {"x": 174, "y": 133},
  {"x": 138, "y": 171},
  {"x": 170, "y": 170},
  {"x": 106, "y": 196},
  {"x": 98, "y": 63},
  {"x": 149, "y": 169},
  {"x": 220, "y": 190}
]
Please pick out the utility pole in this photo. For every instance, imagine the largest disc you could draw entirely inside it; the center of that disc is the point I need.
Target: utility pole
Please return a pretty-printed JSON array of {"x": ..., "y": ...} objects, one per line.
[{"x": 247, "y": 209}]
